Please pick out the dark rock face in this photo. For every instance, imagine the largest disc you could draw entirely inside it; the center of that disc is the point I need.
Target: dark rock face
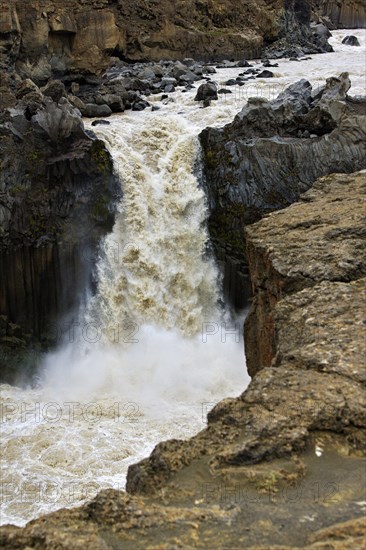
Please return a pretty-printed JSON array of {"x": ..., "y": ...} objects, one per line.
[
  {"x": 340, "y": 14},
  {"x": 56, "y": 201},
  {"x": 296, "y": 37},
  {"x": 272, "y": 152},
  {"x": 351, "y": 41}
]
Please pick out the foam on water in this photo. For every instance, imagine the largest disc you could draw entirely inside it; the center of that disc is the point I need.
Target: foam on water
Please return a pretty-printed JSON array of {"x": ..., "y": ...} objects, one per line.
[{"x": 158, "y": 354}]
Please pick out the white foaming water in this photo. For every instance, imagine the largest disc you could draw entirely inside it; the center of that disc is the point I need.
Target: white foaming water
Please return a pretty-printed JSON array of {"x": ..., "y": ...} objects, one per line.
[{"x": 161, "y": 357}]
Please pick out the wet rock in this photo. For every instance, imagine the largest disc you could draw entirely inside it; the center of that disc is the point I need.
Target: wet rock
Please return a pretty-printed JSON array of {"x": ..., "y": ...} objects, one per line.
[
  {"x": 100, "y": 123},
  {"x": 351, "y": 41},
  {"x": 140, "y": 105},
  {"x": 147, "y": 74},
  {"x": 206, "y": 91},
  {"x": 320, "y": 30},
  {"x": 113, "y": 101},
  {"x": 209, "y": 70},
  {"x": 92, "y": 111},
  {"x": 267, "y": 63},
  {"x": 166, "y": 80},
  {"x": 265, "y": 74},
  {"x": 57, "y": 203}
]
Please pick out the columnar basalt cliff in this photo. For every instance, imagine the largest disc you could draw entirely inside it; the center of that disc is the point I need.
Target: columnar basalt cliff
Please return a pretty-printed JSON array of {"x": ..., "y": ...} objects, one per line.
[
  {"x": 56, "y": 201},
  {"x": 342, "y": 14},
  {"x": 248, "y": 478},
  {"x": 274, "y": 151}
]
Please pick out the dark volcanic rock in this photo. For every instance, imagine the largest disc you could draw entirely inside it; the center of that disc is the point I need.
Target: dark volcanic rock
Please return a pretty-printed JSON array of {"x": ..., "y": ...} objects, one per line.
[
  {"x": 336, "y": 14},
  {"x": 265, "y": 158},
  {"x": 351, "y": 41},
  {"x": 56, "y": 202},
  {"x": 206, "y": 91},
  {"x": 265, "y": 74},
  {"x": 55, "y": 90},
  {"x": 91, "y": 110}
]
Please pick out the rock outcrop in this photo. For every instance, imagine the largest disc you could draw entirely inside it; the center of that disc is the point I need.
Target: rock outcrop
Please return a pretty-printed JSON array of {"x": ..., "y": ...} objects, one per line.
[
  {"x": 342, "y": 14},
  {"x": 56, "y": 201},
  {"x": 290, "y": 447},
  {"x": 53, "y": 37},
  {"x": 274, "y": 151}
]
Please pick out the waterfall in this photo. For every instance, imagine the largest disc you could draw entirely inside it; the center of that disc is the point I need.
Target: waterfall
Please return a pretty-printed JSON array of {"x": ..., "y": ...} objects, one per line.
[
  {"x": 153, "y": 267},
  {"x": 159, "y": 353}
]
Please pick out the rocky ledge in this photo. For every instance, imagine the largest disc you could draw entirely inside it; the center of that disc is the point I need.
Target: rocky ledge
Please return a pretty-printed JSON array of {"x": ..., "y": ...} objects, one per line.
[{"x": 283, "y": 463}]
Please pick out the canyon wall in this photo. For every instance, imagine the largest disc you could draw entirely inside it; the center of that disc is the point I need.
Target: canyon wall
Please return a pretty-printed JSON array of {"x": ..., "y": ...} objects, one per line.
[
  {"x": 51, "y": 37},
  {"x": 271, "y": 153},
  {"x": 343, "y": 14}
]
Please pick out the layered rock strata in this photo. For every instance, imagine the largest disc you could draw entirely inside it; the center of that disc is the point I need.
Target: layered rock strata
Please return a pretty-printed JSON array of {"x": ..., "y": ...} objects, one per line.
[{"x": 51, "y": 37}]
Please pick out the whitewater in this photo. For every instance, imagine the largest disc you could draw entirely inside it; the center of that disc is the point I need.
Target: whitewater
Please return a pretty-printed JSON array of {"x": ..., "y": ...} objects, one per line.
[{"x": 154, "y": 348}]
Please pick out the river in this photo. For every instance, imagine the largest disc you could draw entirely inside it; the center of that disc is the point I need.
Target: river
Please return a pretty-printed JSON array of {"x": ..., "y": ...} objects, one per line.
[{"x": 154, "y": 348}]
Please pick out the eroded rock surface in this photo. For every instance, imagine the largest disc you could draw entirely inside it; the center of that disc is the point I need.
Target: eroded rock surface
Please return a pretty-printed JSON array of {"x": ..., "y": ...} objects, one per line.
[
  {"x": 283, "y": 463},
  {"x": 274, "y": 151}
]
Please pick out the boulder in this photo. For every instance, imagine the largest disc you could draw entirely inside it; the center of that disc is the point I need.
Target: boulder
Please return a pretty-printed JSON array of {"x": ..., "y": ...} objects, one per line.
[
  {"x": 25, "y": 87},
  {"x": 92, "y": 111},
  {"x": 59, "y": 121},
  {"x": 265, "y": 74},
  {"x": 351, "y": 41},
  {"x": 100, "y": 122},
  {"x": 206, "y": 91},
  {"x": 114, "y": 102}
]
